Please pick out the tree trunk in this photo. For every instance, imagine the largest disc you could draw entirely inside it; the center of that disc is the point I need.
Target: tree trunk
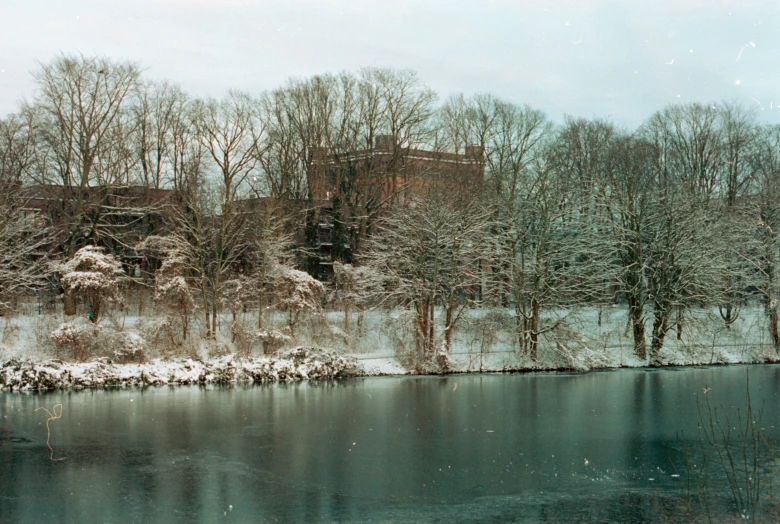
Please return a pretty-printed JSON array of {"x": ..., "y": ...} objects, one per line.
[
  {"x": 451, "y": 304},
  {"x": 534, "y": 338},
  {"x": 431, "y": 327},
  {"x": 141, "y": 303},
  {"x": 770, "y": 307},
  {"x": 679, "y": 324},
  {"x": 520, "y": 325},
  {"x": 94, "y": 312},
  {"x": 770, "y": 294},
  {"x": 207, "y": 310},
  {"x": 660, "y": 325},
  {"x": 233, "y": 326},
  {"x": 773, "y": 333},
  {"x": 421, "y": 313},
  {"x": 637, "y": 320},
  {"x": 69, "y": 304},
  {"x": 346, "y": 317},
  {"x": 214, "y": 315}
]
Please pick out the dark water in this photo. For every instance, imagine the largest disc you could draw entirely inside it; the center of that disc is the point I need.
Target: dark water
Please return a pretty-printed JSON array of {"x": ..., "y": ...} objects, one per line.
[{"x": 481, "y": 448}]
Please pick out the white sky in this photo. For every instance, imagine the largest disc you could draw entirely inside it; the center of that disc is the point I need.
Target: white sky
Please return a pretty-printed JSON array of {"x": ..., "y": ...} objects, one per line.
[{"x": 621, "y": 59}]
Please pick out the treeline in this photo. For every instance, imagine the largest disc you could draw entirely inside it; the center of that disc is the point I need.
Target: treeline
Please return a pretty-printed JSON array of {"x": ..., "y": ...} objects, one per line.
[{"x": 677, "y": 215}]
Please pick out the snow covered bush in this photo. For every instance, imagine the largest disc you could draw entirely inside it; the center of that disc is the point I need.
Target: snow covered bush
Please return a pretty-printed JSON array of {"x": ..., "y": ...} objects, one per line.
[
  {"x": 273, "y": 339},
  {"x": 73, "y": 339},
  {"x": 234, "y": 295},
  {"x": 242, "y": 336},
  {"x": 133, "y": 349},
  {"x": 173, "y": 292},
  {"x": 93, "y": 277},
  {"x": 82, "y": 340},
  {"x": 297, "y": 292}
]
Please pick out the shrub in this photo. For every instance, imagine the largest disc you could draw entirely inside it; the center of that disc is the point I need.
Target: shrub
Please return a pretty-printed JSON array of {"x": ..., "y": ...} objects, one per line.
[
  {"x": 133, "y": 349},
  {"x": 92, "y": 276},
  {"x": 73, "y": 339}
]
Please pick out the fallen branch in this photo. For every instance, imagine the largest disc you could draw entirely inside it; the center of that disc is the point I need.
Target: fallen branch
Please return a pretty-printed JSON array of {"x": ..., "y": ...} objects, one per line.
[{"x": 54, "y": 416}]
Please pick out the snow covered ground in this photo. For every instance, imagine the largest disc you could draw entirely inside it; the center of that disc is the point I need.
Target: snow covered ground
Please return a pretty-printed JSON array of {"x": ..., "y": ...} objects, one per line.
[
  {"x": 484, "y": 341},
  {"x": 379, "y": 343}
]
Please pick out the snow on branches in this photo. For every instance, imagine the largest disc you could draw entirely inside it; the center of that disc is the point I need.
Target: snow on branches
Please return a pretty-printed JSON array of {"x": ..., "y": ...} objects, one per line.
[
  {"x": 23, "y": 264},
  {"x": 297, "y": 292},
  {"x": 354, "y": 286},
  {"x": 172, "y": 290},
  {"x": 93, "y": 276}
]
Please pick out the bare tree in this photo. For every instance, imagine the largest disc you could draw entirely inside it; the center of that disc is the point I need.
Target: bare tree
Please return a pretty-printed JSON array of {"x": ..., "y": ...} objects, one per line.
[
  {"x": 626, "y": 194},
  {"x": 739, "y": 137},
  {"x": 81, "y": 105},
  {"x": 230, "y": 133},
  {"x": 299, "y": 116},
  {"x": 579, "y": 151},
  {"x": 766, "y": 220},
  {"x": 555, "y": 258},
  {"x": 159, "y": 113},
  {"x": 689, "y": 141},
  {"x": 81, "y": 124},
  {"x": 430, "y": 252},
  {"x": 360, "y": 135},
  {"x": 24, "y": 233},
  {"x": 684, "y": 268}
]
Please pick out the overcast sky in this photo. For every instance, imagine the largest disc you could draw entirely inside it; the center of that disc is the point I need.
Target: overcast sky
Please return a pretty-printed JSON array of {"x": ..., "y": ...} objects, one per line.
[{"x": 616, "y": 59}]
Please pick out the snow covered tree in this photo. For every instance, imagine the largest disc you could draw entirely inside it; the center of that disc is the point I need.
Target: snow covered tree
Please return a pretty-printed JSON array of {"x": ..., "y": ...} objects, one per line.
[
  {"x": 24, "y": 234},
  {"x": 93, "y": 277},
  {"x": 271, "y": 247},
  {"x": 740, "y": 144},
  {"x": 82, "y": 124},
  {"x": 766, "y": 221},
  {"x": 23, "y": 259},
  {"x": 173, "y": 291},
  {"x": 297, "y": 292},
  {"x": 684, "y": 267},
  {"x": 664, "y": 236},
  {"x": 230, "y": 132},
  {"x": 552, "y": 258},
  {"x": 354, "y": 287},
  {"x": 343, "y": 285},
  {"x": 626, "y": 184},
  {"x": 431, "y": 253}
]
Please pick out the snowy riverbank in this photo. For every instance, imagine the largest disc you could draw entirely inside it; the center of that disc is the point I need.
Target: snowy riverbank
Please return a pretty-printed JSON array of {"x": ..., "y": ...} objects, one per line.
[
  {"x": 34, "y": 353},
  {"x": 296, "y": 364},
  {"x": 301, "y": 363}
]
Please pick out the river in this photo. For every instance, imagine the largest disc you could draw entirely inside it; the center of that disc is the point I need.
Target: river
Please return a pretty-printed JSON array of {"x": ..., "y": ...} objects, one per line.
[{"x": 607, "y": 446}]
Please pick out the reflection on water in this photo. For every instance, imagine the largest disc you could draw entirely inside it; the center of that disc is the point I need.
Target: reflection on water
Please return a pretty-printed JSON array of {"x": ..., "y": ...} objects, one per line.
[{"x": 548, "y": 447}]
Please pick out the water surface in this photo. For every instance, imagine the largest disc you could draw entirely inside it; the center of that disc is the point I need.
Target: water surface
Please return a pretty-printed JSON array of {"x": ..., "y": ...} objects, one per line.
[{"x": 533, "y": 447}]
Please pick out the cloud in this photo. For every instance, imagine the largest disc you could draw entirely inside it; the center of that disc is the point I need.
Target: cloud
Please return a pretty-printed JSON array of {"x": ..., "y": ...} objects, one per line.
[{"x": 522, "y": 50}]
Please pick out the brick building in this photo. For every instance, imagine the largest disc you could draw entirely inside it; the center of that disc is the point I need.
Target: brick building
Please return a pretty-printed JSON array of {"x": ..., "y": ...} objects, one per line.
[
  {"x": 113, "y": 217},
  {"x": 349, "y": 191}
]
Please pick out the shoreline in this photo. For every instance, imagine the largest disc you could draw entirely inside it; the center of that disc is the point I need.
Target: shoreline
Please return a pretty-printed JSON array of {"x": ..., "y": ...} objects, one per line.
[{"x": 297, "y": 364}]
